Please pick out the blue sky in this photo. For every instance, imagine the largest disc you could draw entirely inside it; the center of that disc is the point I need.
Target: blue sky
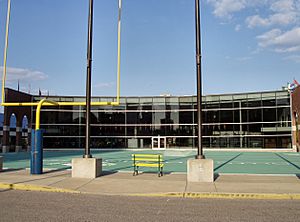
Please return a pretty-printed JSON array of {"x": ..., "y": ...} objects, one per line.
[{"x": 247, "y": 45}]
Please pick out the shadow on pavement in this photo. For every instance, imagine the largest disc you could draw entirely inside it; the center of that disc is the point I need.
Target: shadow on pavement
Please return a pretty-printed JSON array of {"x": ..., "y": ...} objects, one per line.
[
  {"x": 56, "y": 170},
  {"x": 5, "y": 190},
  {"x": 228, "y": 161},
  {"x": 298, "y": 167},
  {"x": 11, "y": 170},
  {"x": 107, "y": 173},
  {"x": 216, "y": 176}
]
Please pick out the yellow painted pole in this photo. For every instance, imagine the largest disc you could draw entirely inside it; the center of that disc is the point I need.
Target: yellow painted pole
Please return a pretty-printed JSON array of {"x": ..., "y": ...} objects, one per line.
[
  {"x": 38, "y": 111},
  {"x": 60, "y": 104},
  {"x": 46, "y": 102},
  {"x": 5, "y": 51}
]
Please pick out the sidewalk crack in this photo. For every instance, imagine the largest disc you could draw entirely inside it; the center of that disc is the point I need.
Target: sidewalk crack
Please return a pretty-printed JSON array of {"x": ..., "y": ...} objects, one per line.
[
  {"x": 84, "y": 184},
  {"x": 185, "y": 189},
  {"x": 215, "y": 187}
]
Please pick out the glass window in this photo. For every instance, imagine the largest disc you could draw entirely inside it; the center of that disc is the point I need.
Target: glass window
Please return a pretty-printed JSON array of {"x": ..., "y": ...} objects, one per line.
[
  {"x": 236, "y": 129},
  {"x": 226, "y": 116},
  {"x": 270, "y": 142},
  {"x": 255, "y": 128},
  {"x": 269, "y": 102},
  {"x": 236, "y": 116},
  {"x": 283, "y": 102},
  {"x": 118, "y": 117},
  {"x": 245, "y": 116},
  {"x": 282, "y": 99},
  {"x": 269, "y": 114},
  {"x": 207, "y": 130},
  {"x": 255, "y": 115},
  {"x": 185, "y": 117},
  {"x": 254, "y": 142},
  {"x": 283, "y": 114},
  {"x": 158, "y": 117},
  {"x": 132, "y": 117},
  {"x": 145, "y": 117},
  {"x": 212, "y": 116},
  {"x": 284, "y": 142},
  {"x": 234, "y": 142},
  {"x": 226, "y": 129}
]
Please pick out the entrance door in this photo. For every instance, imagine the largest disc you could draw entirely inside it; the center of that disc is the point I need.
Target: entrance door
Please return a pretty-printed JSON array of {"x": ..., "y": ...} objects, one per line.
[{"x": 159, "y": 142}]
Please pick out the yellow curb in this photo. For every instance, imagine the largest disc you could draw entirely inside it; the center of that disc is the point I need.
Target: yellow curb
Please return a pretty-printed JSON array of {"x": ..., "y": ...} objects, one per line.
[
  {"x": 29, "y": 187},
  {"x": 225, "y": 195}
]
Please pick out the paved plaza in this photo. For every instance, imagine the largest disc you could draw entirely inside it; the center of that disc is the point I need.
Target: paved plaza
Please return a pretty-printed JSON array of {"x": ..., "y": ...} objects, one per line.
[
  {"x": 285, "y": 163},
  {"x": 254, "y": 175}
]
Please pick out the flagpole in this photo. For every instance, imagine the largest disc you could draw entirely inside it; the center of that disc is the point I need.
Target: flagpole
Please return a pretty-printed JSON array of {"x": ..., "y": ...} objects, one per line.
[
  {"x": 87, "y": 153},
  {"x": 199, "y": 81}
]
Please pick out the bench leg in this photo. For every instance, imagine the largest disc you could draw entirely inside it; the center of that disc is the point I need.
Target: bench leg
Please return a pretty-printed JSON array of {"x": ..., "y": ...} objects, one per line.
[{"x": 136, "y": 170}]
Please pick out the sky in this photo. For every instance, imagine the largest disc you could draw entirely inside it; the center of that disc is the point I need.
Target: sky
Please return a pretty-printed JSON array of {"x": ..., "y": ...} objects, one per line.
[{"x": 247, "y": 45}]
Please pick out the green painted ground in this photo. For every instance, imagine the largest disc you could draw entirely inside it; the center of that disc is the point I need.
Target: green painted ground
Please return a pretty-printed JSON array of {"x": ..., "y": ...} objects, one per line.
[{"x": 175, "y": 161}]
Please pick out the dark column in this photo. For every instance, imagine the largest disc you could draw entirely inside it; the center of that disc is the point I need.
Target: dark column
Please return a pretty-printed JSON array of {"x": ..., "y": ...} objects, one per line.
[
  {"x": 18, "y": 134},
  {"x": 29, "y": 135},
  {"x": 295, "y": 119},
  {"x": 6, "y": 129}
]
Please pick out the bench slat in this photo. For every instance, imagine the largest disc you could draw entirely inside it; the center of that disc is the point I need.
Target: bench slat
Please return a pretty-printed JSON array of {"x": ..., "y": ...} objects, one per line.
[
  {"x": 147, "y": 155},
  {"x": 149, "y": 165},
  {"x": 147, "y": 159}
]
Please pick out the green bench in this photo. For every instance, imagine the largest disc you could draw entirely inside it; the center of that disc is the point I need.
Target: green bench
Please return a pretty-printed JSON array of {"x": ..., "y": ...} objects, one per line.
[{"x": 148, "y": 160}]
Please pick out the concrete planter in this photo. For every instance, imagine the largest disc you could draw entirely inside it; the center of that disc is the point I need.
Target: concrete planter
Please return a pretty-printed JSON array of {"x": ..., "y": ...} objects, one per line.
[
  {"x": 200, "y": 170},
  {"x": 86, "y": 167}
]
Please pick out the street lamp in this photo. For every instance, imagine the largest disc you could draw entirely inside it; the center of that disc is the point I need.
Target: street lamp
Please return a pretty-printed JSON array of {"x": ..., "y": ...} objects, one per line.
[
  {"x": 87, "y": 153},
  {"x": 199, "y": 82}
]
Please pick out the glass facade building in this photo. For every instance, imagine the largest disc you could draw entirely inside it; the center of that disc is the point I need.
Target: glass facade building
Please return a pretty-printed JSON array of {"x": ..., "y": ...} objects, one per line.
[{"x": 246, "y": 120}]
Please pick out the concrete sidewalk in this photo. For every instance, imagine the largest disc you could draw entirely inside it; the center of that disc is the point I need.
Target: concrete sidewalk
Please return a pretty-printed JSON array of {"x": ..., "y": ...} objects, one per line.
[{"x": 148, "y": 184}]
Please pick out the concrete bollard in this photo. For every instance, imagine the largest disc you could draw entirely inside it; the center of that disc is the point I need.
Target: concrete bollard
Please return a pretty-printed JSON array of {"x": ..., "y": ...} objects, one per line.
[
  {"x": 200, "y": 170},
  {"x": 86, "y": 167}
]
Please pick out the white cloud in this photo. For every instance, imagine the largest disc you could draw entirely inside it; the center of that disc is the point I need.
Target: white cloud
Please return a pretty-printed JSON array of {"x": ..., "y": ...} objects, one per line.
[
  {"x": 275, "y": 19},
  {"x": 267, "y": 12},
  {"x": 224, "y": 8},
  {"x": 282, "y": 12},
  {"x": 256, "y": 20},
  {"x": 279, "y": 41},
  {"x": 23, "y": 75},
  {"x": 283, "y": 6}
]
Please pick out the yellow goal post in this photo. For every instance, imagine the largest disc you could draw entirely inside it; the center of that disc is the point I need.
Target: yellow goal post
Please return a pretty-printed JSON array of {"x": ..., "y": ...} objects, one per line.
[{"x": 52, "y": 103}]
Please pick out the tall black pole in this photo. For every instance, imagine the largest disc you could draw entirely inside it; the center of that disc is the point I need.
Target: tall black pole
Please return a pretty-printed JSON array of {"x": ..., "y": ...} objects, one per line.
[
  {"x": 199, "y": 82},
  {"x": 87, "y": 153}
]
